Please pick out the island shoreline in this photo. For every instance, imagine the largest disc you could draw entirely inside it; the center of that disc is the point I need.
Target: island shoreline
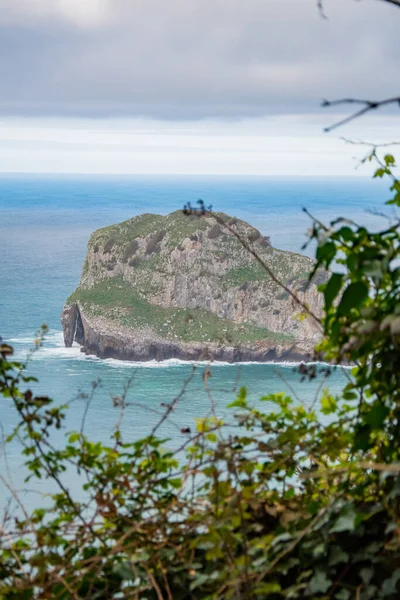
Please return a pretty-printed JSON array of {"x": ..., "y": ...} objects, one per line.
[{"x": 144, "y": 347}]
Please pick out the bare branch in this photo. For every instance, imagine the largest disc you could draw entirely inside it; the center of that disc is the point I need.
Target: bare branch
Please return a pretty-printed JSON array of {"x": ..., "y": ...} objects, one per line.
[
  {"x": 320, "y": 6},
  {"x": 368, "y": 105},
  {"x": 321, "y": 9},
  {"x": 266, "y": 267},
  {"x": 370, "y": 144},
  {"x": 395, "y": 2}
]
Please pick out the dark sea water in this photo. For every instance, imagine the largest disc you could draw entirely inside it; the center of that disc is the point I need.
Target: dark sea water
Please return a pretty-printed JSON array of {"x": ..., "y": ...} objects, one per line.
[{"x": 45, "y": 223}]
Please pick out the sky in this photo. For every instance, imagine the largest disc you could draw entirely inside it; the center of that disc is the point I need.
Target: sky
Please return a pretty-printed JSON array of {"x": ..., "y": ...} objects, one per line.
[{"x": 192, "y": 86}]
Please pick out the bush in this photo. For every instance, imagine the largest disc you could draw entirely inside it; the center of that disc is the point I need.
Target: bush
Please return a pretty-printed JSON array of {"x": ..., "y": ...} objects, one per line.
[
  {"x": 152, "y": 246},
  {"x": 214, "y": 232},
  {"x": 254, "y": 235},
  {"x": 109, "y": 246},
  {"x": 130, "y": 250},
  {"x": 159, "y": 236},
  {"x": 265, "y": 240},
  {"x": 134, "y": 261}
]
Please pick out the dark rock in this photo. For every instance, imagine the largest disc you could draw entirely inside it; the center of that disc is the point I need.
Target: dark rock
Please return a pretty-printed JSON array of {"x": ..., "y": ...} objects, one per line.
[{"x": 105, "y": 344}]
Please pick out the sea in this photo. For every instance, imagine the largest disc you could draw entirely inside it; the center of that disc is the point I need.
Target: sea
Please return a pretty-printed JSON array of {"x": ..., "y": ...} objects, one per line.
[{"x": 45, "y": 224}]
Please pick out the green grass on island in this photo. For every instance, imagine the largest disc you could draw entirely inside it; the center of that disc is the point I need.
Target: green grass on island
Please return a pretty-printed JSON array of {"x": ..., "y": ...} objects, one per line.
[
  {"x": 179, "y": 224},
  {"x": 116, "y": 240},
  {"x": 115, "y": 300}
]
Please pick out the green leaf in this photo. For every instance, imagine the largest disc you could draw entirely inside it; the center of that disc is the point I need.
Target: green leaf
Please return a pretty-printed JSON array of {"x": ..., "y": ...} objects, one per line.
[
  {"x": 337, "y": 556},
  {"x": 395, "y": 200},
  {"x": 326, "y": 253},
  {"x": 319, "y": 583},
  {"x": 242, "y": 395},
  {"x": 389, "y": 586},
  {"x": 353, "y": 297},
  {"x": 377, "y": 415},
  {"x": 346, "y": 233},
  {"x": 238, "y": 403},
  {"x": 332, "y": 289},
  {"x": 343, "y": 595},
  {"x": 350, "y": 396},
  {"x": 389, "y": 159},
  {"x": 268, "y": 589},
  {"x": 362, "y": 437},
  {"x": 124, "y": 571},
  {"x": 379, "y": 172},
  {"x": 175, "y": 483},
  {"x": 328, "y": 404},
  {"x": 200, "y": 580},
  {"x": 346, "y": 521},
  {"x": 367, "y": 574}
]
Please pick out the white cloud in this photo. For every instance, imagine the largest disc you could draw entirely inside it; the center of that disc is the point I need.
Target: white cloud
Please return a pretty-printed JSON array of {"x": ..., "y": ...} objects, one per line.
[{"x": 277, "y": 146}]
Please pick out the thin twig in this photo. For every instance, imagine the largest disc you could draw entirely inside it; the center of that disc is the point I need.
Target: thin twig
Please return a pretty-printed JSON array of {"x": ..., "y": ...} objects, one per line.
[
  {"x": 321, "y": 10},
  {"x": 174, "y": 402},
  {"x": 95, "y": 384},
  {"x": 236, "y": 385},
  {"x": 370, "y": 144},
  {"x": 264, "y": 265},
  {"x": 291, "y": 389},
  {"x": 121, "y": 402},
  {"x": 155, "y": 585}
]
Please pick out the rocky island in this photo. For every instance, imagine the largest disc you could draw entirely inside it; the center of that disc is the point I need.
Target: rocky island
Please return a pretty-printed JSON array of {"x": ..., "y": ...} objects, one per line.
[{"x": 178, "y": 286}]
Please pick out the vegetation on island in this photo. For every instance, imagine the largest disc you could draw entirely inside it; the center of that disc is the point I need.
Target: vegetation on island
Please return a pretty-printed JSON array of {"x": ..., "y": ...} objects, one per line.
[
  {"x": 300, "y": 502},
  {"x": 117, "y": 302}
]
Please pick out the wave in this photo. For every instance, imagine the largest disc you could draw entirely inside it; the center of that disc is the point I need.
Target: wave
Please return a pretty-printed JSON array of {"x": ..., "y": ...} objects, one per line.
[
  {"x": 53, "y": 347},
  {"x": 52, "y": 336},
  {"x": 74, "y": 353},
  {"x": 175, "y": 362}
]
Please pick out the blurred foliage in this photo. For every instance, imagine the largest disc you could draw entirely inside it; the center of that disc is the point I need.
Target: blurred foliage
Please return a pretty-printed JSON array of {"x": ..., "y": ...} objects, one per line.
[{"x": 299, "y": 502}]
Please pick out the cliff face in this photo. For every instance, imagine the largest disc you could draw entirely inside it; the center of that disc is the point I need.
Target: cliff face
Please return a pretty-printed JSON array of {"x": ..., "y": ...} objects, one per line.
[{"x": 178, "y": 286}]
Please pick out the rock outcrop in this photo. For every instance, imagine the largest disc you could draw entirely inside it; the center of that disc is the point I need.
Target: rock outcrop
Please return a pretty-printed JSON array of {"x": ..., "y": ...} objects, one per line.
[{"x": 176, "y": 286}]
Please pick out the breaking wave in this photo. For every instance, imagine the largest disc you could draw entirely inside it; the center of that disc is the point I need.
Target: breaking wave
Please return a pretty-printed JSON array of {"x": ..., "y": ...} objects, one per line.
[{"x": 54, "y": 348}]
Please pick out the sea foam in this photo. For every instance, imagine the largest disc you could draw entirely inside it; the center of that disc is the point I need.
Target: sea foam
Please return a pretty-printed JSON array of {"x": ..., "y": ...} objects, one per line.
[{"x": 53, "y": 348}]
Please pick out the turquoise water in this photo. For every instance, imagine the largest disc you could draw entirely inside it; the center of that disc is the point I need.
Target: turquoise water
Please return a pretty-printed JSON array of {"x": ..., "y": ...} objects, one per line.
[{"x": 45, "y": 223}]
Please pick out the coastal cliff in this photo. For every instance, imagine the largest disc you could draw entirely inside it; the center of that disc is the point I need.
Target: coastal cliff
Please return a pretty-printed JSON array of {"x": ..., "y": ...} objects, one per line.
[{"x": 177, "y": 286}]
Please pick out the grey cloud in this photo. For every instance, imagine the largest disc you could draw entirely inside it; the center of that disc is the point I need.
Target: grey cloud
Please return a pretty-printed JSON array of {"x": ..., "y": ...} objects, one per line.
[
  {"x": 80, "y": 13},
  {"x": 194, "y": 58}
]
